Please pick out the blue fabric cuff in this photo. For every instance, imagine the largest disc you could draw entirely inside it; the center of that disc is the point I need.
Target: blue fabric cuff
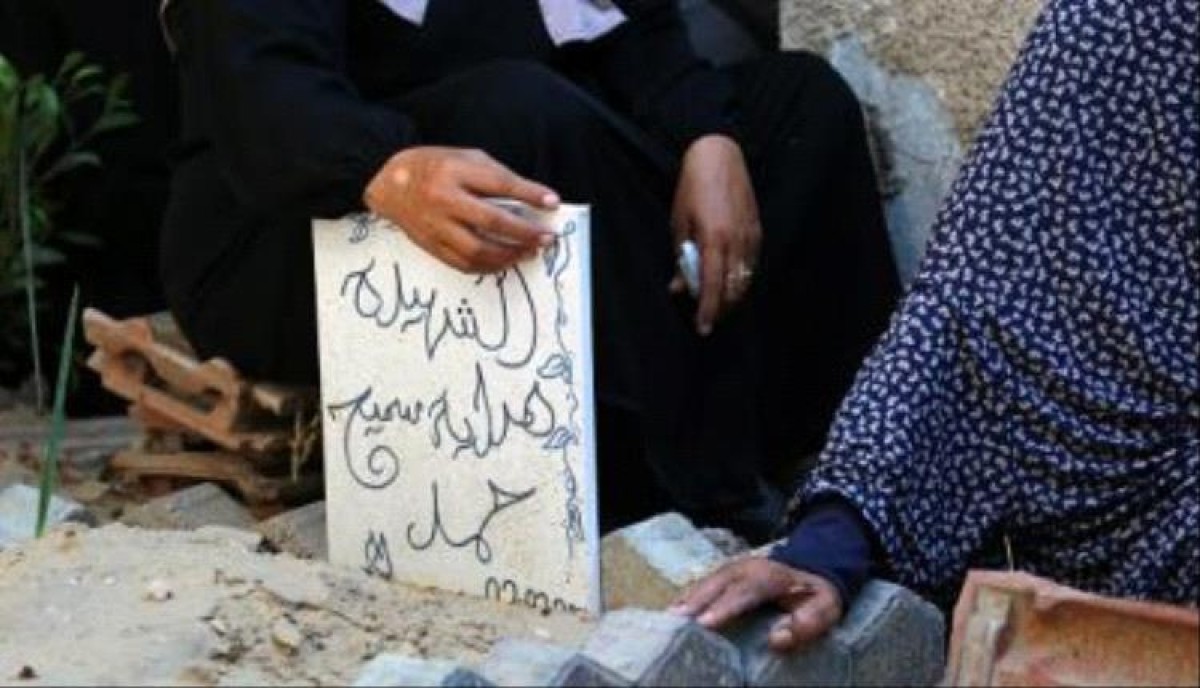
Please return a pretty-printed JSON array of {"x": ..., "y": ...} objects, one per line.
[{"x": 830, "y": 541}]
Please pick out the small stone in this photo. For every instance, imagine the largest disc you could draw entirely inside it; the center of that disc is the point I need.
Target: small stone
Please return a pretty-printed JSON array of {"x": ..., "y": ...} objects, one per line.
[
  {"x": 27, "y": 673},
  {"x": 88, "y": 461},
  {"x": 19, "y": 509},
  {"x": 197, "y": 506},
  {"x": 89, "y": 490},
  {"x": 299, "y": 532},
  {"x": 158, "y": 590},
  {"x": 285, "y": 634},
  {"x": 397, "y": 670}
]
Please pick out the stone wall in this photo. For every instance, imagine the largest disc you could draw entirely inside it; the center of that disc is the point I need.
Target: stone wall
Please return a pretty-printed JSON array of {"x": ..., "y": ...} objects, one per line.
[{"x": 927, "y": 71}]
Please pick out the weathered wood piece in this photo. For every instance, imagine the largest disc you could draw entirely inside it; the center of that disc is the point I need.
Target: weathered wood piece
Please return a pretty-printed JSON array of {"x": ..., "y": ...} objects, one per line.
[{"x": 147, "y": 362}]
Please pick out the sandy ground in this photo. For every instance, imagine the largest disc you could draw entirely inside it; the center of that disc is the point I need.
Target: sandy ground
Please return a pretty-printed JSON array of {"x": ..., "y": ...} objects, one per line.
[{"x": 123, "y": 606}]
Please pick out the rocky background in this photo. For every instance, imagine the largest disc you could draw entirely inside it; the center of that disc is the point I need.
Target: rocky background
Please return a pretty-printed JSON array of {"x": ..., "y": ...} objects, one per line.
[{"x": 927, "y": 72}]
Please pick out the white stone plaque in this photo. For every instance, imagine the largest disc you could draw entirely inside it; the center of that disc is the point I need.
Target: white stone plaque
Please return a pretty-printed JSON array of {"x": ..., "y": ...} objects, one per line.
[{"x": 458, "y": 414}]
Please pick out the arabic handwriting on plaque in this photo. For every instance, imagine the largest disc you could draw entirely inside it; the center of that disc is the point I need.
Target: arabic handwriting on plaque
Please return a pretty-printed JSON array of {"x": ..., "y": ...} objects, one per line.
[
  {"x": 457, "y": 413},
  {"x": 511, "y": 592},
  {"x": 501, "y": 499},
  {"x": 388, "y": 301},
  {"x": 376, "y": 555}
]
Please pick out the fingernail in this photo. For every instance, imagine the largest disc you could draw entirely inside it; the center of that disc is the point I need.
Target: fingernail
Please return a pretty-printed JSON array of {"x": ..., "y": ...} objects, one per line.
[
  {"x": 677, "y": 609},
  {"x": 781, "y": 636},
  {"x": 706, "y": 619},
  {"x": 547, "y": 239},
  {"x": 799, "y": 592},
  {"x": 705, "y": 329},
  {"x": 550, "y": 200}
]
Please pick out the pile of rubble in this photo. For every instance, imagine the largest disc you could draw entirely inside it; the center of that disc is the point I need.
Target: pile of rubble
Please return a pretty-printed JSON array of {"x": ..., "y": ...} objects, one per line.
[
  {"x": 234, "y": 604},
  {"x": 200, "y": 420}
]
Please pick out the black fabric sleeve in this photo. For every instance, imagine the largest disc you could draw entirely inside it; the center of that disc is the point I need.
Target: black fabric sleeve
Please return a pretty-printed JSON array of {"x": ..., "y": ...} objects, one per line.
[
  {"x": 267, "y": 80},
  {"x": 648, "y": 68},
  {"x": 830, "y": 541}
]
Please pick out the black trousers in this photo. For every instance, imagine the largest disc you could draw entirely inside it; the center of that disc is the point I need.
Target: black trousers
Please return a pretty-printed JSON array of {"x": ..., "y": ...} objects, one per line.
[{"x": 699, "y": 425}]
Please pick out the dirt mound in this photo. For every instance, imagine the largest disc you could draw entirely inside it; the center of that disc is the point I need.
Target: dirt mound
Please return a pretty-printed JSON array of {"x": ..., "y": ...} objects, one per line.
[{"x": 121, "y": 606}]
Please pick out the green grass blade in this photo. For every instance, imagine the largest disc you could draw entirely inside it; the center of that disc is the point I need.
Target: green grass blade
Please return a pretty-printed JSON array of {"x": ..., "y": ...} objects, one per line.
[
  {"x": 58, "y": 420},
  {"x": 25, "y": 222}
]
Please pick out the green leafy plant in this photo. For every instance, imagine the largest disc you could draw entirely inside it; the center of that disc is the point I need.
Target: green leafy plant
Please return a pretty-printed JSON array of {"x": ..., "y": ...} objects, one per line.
[
  {"x": 42, "y": 139},
  {"x": 58, "y": 419}
]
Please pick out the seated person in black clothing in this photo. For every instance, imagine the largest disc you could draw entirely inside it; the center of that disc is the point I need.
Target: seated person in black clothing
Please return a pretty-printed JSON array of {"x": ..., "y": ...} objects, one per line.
[{"x": 419, "y": 109}]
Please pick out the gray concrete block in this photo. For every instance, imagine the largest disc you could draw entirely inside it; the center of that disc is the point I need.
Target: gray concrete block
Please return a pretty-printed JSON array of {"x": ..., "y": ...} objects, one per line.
[
  {"x": 397, "y": 670},
  {"x": 194, "y": 507},
  {"x": 726, "y": 541},
  {"x": 19, "y": 509},
  {"x": 648, "y": 564},
  {"x": 299, "y": 532},
  {"x": 656, "y": 649},
  {"x": 515, "y": 662},
  {"x": 890, "y": 637}
]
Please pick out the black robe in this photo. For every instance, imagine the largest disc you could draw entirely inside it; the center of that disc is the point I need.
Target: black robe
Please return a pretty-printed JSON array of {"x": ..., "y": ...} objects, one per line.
[{"x": 290, "y": 106}]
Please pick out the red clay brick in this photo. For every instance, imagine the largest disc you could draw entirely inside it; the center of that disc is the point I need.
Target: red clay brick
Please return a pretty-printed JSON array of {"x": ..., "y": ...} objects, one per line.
[{"x": 1016, "y": 629}]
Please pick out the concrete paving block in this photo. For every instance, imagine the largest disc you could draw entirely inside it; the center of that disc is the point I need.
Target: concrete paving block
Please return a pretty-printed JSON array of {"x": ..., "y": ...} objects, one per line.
[
  {"x": 516, "y": 662},
  {"x": 890, "y": 637},
  {"x": 397, "y": 670},
  {"x": 19, "y": 508},
  {"x": 191, "y": 508},
  {"x": 726, "y": 541},
  {"x": 657, "y": 649},
  {"x": 299, "y": 532},
  {"x": 648, "y": 564}
]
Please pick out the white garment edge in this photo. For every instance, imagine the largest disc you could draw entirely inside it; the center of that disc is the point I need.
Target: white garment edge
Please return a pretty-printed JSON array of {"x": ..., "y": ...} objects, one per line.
[{"x": 566, "y": 20}]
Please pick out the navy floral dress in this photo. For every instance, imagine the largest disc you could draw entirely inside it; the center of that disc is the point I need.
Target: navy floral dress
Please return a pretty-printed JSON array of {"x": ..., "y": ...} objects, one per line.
[{"x": 1038, "y": 392}]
